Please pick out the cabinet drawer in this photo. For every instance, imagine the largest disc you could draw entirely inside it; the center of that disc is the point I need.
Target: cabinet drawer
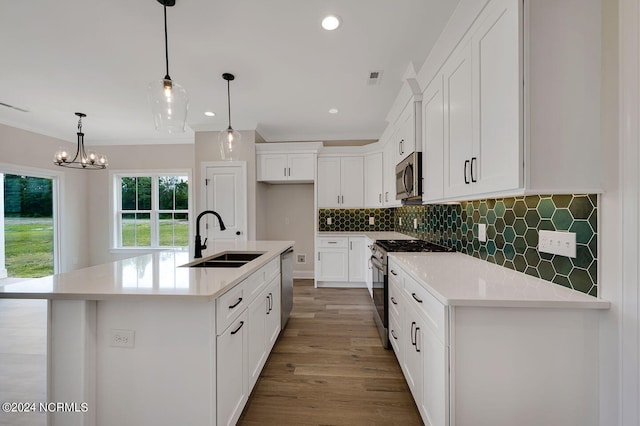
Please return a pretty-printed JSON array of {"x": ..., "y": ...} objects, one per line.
[
  {"x": 335, "y": 242},
  {"x": 230, "y": 305},
  {"x": 434, "y": 311},
  {"x": 395, "y": 299}
]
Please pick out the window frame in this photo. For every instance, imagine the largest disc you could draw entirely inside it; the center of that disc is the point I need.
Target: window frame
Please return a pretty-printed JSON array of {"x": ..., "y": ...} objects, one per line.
[{"x": 116, "y": 177}]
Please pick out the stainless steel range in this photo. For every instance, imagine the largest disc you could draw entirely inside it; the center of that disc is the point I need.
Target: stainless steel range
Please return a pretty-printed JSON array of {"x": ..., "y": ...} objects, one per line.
[{"x": 380, "y": 280}]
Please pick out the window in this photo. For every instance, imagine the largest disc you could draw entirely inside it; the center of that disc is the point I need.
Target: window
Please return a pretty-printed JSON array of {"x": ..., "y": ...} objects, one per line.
[{"x": 152, "y": 210}]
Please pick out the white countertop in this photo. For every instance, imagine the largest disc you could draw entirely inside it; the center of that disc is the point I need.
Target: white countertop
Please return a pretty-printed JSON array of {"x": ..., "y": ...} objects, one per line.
[
  {"x": 380, "y": 235},
  {"x": 457, "y": 279},
  {"x": 156, "y": 276}
]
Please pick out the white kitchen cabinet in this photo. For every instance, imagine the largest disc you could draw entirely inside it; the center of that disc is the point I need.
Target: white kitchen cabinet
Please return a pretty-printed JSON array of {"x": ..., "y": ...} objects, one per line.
[
  {"x": 409, "y": 131},
  {"x": 232, "y": 378},
  {"x": 340, "y": 182},
  {"x": 433, "y": 141},
  {"x": 357, "y": 261},
  {"x": 389, "y": 173},
  {"x": 373, "y": 182},
  {"x": 263, "y": 328},
  {"x": 272, "y": 324},
  {"x": 332, "y": 259},
  {"x": 292, "y": 168},
  {"x": 521, "y": 100},
  {"x": 412, "y": 348}
]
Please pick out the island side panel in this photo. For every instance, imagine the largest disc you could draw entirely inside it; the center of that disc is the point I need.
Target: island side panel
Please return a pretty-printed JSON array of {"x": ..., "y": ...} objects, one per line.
[
  {"x": 71, "y": 358},
  {"x": 168, "y": 377},
  {"x": 528, "y": 367}
]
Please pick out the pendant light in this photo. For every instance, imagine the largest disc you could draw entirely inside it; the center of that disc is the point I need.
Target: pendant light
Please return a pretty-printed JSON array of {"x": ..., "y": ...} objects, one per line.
[
  {"x": 229, "y": 139},
  {"x": 83, "y": 159},
  {"x": 169, "y": 101}
]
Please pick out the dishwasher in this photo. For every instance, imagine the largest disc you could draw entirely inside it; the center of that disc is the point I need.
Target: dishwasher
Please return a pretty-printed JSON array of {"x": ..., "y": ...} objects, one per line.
[{"x": 286, "y": 280}]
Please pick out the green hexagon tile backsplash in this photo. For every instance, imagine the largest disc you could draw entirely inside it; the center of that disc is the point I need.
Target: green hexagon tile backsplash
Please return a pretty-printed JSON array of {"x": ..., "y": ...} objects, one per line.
[{"x": 512, "y": 232}]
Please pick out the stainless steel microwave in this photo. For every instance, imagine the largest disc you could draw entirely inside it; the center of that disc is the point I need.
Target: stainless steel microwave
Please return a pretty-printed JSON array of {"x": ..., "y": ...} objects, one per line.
[{"x": 409, "y": 179}]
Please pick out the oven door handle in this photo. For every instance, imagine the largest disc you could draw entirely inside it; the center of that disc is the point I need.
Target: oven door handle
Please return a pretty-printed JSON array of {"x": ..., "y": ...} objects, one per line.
[{"x": 376, "y": 263}]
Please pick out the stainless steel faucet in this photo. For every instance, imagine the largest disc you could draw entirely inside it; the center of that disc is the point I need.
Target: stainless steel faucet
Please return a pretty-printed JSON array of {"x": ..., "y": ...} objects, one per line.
[{"x": 199, "y": 245}]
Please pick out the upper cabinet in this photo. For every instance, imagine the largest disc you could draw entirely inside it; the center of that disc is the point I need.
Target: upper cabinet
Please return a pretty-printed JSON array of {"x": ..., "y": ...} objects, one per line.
[
  {"x": 373, "y": 182},
  {"x": 511, "y": 112},
  {"x": 407, "y": 137},
  {"x": 340, "y": 182},
  {"x": 287, "y": 162}
]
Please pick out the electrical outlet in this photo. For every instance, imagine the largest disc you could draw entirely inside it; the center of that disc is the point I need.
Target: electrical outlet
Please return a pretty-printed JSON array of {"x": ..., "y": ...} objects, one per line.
[
  {"x": 301, "y": 258},
  {"x": 415, "y": 223},
  {"x": 122, "y": 338},
  {"x": 329, "y": 221},
  {"x": 557, "y": 242},
  {"x": 482, "y": 232},
  {"x": 372, "y": 220},
  {"x": 400, "y": 221}
]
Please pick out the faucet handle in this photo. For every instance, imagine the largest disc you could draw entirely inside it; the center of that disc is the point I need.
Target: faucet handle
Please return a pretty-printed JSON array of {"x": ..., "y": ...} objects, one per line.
[{"x": 203, "y": 246}]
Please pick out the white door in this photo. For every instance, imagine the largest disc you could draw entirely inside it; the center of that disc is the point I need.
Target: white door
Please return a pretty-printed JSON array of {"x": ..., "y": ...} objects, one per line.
[
  {"x": 433, "y": 142},
  {"x": 272, "y": 167},
  {"x": 301, "y": 167},
  {"x": 328, "y": 182},
  {"x": 458, "y": 122},
  {"x": 231, "y": 368},
  {"x": 497, "y": 113},
  {"x": 373, "y": 183},
  {"x": 333, "y": 265},
  {"x": 352, "y": 182},
  {"x": 357, "y": 264},
  {"x": 389, "y": 174},
  {"x": 226, "y": 194}
]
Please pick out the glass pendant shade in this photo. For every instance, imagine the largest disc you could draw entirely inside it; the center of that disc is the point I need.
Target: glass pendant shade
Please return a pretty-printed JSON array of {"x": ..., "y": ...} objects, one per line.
[
  {"x": 229, "y": 140},
  {"x": 169, "y": 105}
]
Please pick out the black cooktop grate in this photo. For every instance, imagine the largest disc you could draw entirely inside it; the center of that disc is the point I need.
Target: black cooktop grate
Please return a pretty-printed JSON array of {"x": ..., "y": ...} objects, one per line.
[{"x": 411, "y": 246}]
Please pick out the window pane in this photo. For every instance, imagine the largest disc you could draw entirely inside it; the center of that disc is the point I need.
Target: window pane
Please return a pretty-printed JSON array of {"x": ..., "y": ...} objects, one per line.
[
  {"x": 128, "y": 229},
  {"x": 144, "y": 193},
  {"x": 166, "y": 188},
  {"x": 136, "y": 230},
  {"x": 128, "y": 193},
  {"x": 174, "y": 229},
  {"x": 182, "y": 193}
]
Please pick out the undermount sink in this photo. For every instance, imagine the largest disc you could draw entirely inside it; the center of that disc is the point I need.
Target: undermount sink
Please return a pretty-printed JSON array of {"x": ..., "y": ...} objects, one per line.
[{"x": 231, "y": 259}]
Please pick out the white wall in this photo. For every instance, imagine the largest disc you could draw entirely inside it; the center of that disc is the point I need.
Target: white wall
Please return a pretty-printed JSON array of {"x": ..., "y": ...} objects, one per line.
[
  {"x": 129, "y": 157},
  {"x": 289, "y": 213},
  {"x": 609, "y": 214},
  {"x": 27, "y": 151}
]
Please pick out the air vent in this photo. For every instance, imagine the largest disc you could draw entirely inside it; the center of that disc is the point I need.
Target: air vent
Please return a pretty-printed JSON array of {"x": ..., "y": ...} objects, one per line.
[
  {"x": 13, "y": 107},
  {"x": 374, "y": 77}
]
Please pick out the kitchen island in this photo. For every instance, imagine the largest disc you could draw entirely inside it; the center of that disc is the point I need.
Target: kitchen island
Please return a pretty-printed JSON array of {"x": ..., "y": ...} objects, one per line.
[{"x": 148, "y": 340}]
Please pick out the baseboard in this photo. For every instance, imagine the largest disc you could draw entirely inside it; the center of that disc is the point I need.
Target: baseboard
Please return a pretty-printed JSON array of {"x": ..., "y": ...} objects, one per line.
[
  {"x": 341, "y": 284},
  {"x": 303, "y": 275}
]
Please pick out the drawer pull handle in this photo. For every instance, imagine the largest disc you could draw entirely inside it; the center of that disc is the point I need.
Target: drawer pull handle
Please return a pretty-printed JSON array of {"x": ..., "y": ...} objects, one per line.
[
  {"x": 393, "y": 272},
  {"x": 268, "y": 304},
  {"x": 332, "y": 242},
  {"x": 393, "y": 334},
  {"x": 238, "y": 329},
  {"x": 413, "y": 324},
  {"x": 393, "y": 301},
  {"x": 236, "y": 304},
  {"x": 417, "y": 348},
  {"x": 415, "y": 298}
]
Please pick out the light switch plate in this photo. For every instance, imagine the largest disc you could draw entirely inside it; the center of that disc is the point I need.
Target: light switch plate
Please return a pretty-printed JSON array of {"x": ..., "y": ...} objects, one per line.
[
  {"x": 329, "y": 221},
  {"x": 415, "y": 223},
  {"x": 482, "y": 232},
  {"x": 557, "y": 242},
  {"x": 372, "y": 220}
]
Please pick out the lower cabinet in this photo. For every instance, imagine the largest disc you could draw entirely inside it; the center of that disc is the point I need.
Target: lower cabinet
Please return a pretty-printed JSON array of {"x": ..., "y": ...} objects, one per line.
[
  {"x": 252, "y": 321},
  {"x": 493, "y": 365},
  {"x": 263, "y": 329},
  {"x": 232, "y": 378},
  {"x": 342, "y": 260}
]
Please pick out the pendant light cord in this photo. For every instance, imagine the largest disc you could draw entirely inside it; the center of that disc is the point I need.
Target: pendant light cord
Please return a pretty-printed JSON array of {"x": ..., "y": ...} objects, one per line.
[
  {"x": 229, "y": 102},
  {"x": 166, "y": 43}
]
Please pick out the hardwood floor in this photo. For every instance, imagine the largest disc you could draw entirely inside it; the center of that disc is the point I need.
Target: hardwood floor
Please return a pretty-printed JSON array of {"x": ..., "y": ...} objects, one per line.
[{"x": 328, "y": 367}]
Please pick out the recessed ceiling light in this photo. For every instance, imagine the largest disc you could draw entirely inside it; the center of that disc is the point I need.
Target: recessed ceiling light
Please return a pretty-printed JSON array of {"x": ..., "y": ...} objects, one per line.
[
  {"x": 331, "y": 22},
  {"x": 333, "y": 111},
  {"x": 210, "y": 114}
]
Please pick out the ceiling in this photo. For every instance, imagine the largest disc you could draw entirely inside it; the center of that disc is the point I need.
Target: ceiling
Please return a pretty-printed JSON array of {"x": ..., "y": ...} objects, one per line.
[{"x": 98, "y": 57}]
